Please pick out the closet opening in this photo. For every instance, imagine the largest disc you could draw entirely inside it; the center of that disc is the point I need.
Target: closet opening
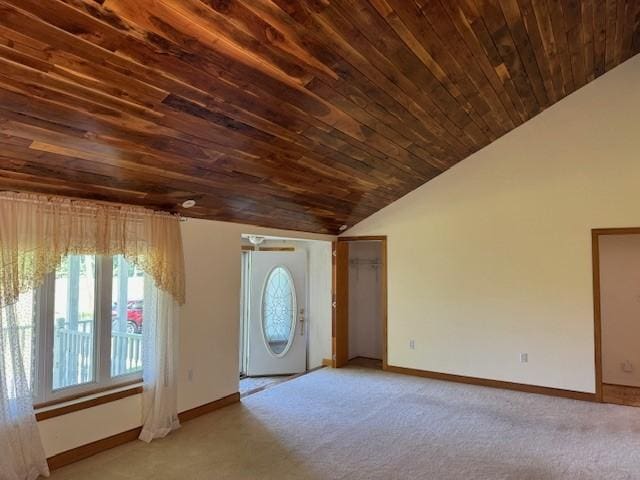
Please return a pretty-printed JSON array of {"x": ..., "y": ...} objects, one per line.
[{"x": 360, "y": 302}]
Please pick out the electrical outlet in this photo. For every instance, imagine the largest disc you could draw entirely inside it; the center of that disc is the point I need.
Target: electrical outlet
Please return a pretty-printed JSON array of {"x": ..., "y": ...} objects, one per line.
[
  {"x": 524, "y": 358},
  {"x": 412, "y": 344},
  {"x": 627, "y": 366}
]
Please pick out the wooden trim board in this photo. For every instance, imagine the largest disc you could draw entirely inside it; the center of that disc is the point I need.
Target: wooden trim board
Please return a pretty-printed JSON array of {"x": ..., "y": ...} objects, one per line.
[
  {"x": 90, "y": 449},
  {"x": 484, "y": 382},
  {"x": 621, "y": 395},
  {"x": 85, "y": 451},
  {"x": 364, "y": 238},
  {"x": 341, "y": 306},
  {"x": 209, "y": 407},
  {"x": 597, "y": 323},
  {"x": 251, "y": 248},
  {"x": 616, "y": 231},
  {"x": 107, "y": 390},
  {"x": 91, "y": 402}
]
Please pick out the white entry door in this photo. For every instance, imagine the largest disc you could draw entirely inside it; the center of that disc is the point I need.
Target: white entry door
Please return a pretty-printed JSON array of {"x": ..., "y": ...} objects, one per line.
[{"x": 277, "y": 323}]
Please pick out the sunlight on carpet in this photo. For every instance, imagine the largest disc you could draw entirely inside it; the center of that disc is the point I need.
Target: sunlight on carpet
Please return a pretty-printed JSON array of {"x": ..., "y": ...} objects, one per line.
[{"x": 357, "y": 423}]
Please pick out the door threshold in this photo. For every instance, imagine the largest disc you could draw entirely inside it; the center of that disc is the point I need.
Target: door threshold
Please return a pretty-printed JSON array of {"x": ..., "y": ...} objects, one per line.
[
  {"x": 278, "y": 381},
  {"x": 272, "y": 376}
]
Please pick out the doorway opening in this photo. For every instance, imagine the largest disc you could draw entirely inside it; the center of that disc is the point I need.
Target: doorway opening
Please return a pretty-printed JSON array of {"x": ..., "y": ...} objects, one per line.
[
  {"x": 285, "y": 309},
  {"x": 360, "y": 302},
  {"x": 616, "y": 282}
]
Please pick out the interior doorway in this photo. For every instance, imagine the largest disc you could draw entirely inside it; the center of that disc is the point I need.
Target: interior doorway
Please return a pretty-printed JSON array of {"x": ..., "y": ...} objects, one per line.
[
  {"x": 273, "y": 341},
  {"x": 360, "y": 301},
  {"x": 616, "y": 278},
  {"x": 285, "y": 311}
]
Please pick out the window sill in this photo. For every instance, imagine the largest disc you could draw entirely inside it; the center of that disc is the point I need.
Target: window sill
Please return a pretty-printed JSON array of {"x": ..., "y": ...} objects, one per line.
[{"x": 69, "y": 405}]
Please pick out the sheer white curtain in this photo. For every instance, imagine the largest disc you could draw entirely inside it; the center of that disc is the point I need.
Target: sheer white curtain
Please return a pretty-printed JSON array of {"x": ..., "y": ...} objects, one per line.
[
  {"x": 21, "y": 454},
  {"x": 159, "y": 365},
  {"x": 36, "y": 233}
]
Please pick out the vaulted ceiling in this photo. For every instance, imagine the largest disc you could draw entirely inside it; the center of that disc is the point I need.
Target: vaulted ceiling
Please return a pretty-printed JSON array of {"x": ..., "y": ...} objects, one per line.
[{"x": 303, "y": 114}]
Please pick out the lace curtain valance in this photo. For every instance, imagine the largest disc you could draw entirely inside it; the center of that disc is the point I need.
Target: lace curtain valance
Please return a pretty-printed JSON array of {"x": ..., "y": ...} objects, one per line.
[{"x": 38, "y": 231}]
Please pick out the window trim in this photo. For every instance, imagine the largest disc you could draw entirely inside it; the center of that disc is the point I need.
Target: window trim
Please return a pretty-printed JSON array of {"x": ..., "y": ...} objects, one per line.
[
  {"x": 44, "y": 298},
  {"x": 61, "y": 407}
]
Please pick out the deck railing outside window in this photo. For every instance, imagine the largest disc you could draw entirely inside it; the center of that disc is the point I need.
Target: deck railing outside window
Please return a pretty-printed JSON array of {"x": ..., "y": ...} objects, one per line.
[{"x": 74, "y": 357}]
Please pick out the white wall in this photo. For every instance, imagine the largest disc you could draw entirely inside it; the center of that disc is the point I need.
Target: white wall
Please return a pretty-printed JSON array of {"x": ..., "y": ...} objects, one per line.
[
  {"x": 365, "y": 320},
  {"x": 493, "y": 257},
  {"x": 320, "y": 302},
  {"x": 620, "y": 308},
  {"x": 208, "y": 336}
]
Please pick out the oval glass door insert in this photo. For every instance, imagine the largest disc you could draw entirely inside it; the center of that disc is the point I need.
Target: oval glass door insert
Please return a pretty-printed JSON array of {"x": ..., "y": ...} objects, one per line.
[{"x": 278, "y": 310}]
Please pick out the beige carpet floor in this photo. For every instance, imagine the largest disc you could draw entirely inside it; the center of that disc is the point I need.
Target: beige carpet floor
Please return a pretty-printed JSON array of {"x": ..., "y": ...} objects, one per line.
[{"x": 359, "y": 424}]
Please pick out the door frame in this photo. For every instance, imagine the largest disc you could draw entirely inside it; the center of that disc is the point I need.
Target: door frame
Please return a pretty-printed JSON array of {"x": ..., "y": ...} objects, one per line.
[
  {"x": 597, "y": 313},
  {"x": 245, "y": 275},
  {"x": 340, "y": 298}
]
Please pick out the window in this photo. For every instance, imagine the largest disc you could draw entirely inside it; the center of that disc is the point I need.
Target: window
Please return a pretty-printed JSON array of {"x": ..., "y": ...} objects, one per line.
[
  {"x": 126, "y": 318},
  {"x": 88, "y": 322},
  {"x": 74, "y": 322}
]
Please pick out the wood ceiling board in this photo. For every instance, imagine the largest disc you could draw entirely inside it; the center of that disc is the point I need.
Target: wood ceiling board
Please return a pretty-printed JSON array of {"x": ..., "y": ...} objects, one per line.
[{"x": 302, "y": 114}]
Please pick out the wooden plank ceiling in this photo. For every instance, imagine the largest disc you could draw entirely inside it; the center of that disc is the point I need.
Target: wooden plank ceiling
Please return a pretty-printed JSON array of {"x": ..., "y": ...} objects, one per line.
[{"x": 303, "y": 114}]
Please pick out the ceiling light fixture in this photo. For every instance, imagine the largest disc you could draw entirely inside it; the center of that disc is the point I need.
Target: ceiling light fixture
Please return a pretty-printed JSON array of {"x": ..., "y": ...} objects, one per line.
[
  {"x": 342, "y": 228},
  {"x": 188, "y": 203},
  {"x": 255, "y": 240}
]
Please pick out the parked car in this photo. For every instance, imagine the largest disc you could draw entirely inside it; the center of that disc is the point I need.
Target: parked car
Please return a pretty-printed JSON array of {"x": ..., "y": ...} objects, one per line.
[{"x": 134, "y": 316}]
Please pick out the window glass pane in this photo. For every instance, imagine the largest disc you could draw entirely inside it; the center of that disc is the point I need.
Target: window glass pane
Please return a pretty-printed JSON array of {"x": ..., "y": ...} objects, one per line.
[
  {"x": 126, "y": 318},
  {"x": 74, "y": 322},
  {"x": 17, "y": 337},
  {"x": 278, "y": 310}
]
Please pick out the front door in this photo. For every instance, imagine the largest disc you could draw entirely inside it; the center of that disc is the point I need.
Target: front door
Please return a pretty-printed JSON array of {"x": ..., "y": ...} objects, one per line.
[{"x": 277, "y": 323}]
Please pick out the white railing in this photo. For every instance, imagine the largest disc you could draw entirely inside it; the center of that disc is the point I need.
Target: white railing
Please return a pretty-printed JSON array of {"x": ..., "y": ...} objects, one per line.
[
  {"x": 73, "y": 362},
  {"x": 73, "y": 357},
  {"x": 126, "y": 353}
]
